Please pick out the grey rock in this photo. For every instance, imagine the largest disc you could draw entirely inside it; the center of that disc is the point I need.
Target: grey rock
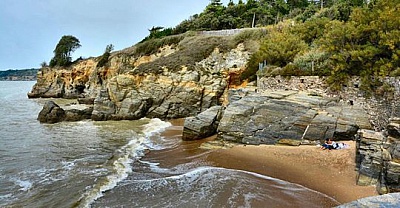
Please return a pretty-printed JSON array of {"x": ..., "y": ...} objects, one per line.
[
  {"x": 51, "y": 113},
  {"x": 394, "y": 127},
  {"x": 86, "y": 101},
  {"x": 391, "y": 200},
  {"x": 78, "y": 115},
  {"x": 203, "y": 125}
]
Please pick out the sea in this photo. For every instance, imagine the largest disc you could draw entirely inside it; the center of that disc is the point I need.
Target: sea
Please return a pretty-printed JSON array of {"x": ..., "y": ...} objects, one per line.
[{"x": 105, "y": 164}]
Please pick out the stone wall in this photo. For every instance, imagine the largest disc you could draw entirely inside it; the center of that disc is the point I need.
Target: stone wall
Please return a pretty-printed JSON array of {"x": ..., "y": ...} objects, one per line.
[{"x": 226, "y": 32}]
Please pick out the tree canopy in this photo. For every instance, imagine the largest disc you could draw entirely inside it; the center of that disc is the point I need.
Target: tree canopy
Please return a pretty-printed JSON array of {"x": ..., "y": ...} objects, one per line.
[{"x": 63, "y": 50}]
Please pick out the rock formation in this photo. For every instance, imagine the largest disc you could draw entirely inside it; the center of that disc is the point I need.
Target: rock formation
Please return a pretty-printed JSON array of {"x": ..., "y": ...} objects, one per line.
[
  {"x": 289, "y": 117},
  {"x": 53, "y": 113},
  {"x": 203, "y": 125},
  {"x": 378, "y": 156},
  {"x": 133, "y": 86}
]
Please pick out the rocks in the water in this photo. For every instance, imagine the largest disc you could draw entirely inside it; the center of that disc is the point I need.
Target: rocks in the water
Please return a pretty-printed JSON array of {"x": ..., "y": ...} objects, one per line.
[
  {"x": 51, "y": 113},
  {"x": 391, "y": 200},
  {"x": 203, "y": 125},
  {"x": 78, "y": 115}
]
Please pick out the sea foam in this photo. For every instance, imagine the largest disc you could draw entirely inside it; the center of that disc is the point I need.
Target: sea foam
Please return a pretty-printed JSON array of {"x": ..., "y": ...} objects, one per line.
[{"x": 125, "y": 156}]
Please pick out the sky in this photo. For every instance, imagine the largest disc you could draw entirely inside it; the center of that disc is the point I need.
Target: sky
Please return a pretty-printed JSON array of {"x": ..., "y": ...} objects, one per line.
[{"x": 30, "y": 29}]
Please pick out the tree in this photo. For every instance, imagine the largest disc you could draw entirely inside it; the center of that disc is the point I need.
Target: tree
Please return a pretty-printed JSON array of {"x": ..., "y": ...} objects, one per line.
[
  {"x": 63, "y": 50},
  {"x": 104, "y": 58}
]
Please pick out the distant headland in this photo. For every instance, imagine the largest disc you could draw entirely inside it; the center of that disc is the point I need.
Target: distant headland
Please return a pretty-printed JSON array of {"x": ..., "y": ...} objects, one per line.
[{"x": 19, "y": 75}]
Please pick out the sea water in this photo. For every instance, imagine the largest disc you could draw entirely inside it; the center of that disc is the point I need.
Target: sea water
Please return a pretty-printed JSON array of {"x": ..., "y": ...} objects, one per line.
[{"x": 102, "y": 164}]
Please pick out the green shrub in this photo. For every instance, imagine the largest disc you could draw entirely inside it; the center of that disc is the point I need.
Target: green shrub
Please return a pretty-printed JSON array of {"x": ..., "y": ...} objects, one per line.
[{"x": 313, "y": 62}]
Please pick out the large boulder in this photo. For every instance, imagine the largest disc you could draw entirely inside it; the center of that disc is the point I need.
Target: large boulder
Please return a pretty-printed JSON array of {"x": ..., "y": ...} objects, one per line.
[
  {"x": 51, "y": 113},
  {"x": 78, "y": 115},
  {"x": 203, "y": 125}
]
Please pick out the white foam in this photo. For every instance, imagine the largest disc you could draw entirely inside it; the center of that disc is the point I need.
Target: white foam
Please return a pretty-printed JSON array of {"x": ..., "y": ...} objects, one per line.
[
  {"x": 155, "y": 168},
  {"x": 25, "y": 185},
  {"x": 155, "y": 126},
  {"x": 125, "y": 156}
]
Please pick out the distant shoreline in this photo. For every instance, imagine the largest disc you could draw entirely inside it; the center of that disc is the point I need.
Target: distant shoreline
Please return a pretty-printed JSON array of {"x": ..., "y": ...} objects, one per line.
[
  {"x": 13, "y": 80},
  {"x": 19, "y": 75}
]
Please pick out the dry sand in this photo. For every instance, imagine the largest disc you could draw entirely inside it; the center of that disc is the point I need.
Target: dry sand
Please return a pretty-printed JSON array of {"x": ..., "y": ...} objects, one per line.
[{"x": 331, "y": 172}]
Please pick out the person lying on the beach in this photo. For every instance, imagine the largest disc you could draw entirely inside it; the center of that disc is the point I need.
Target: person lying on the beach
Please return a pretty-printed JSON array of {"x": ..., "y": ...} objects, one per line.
[{"x": 329, "y": 145}]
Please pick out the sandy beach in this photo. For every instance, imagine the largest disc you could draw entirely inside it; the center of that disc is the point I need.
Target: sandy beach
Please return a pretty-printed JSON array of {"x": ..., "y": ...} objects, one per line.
[{"x": 330, "y": 172}]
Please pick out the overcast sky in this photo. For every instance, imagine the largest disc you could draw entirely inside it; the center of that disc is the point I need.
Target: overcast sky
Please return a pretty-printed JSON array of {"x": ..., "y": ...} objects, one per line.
[{"x": 30, "y": 29}]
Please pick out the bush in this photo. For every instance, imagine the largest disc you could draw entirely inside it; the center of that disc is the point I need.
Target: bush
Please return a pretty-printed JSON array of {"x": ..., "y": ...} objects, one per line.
[
  {"x": 313, "y": 62},
  {"x": 104, "y": 58},
  {"x": 153, "y": 45}
]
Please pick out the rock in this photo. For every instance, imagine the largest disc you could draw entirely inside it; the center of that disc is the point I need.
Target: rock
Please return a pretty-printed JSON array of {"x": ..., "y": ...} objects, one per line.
[
  {"x": 386, "y": 200},
  {"x": 133, "y": 87},
  {"x": 289, "y": 142},
  {"x": 103, "y": 107},
  {"x": 203, "y": 125},
  {"x": 286, "y": 117},
  {"x": 51, "y": 113},
  {"x": 370, "y": 154},
  {"x": 86, "y": 101},
  {"x": 394, "y": 127},
  {"x": 78, "y": 115},
  {"x": 261, "y": 120}
]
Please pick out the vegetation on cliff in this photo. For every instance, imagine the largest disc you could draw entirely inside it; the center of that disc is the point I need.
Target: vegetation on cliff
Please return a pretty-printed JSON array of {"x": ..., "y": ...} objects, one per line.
[
  {"x": 334, "y": 38},
  {"x": 63, "y": 50}
]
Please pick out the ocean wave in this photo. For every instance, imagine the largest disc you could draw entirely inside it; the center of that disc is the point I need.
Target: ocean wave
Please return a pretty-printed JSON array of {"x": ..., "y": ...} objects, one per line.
[
  {"x": 123, "y": 159},
  {"x": 213, "y": 187}
]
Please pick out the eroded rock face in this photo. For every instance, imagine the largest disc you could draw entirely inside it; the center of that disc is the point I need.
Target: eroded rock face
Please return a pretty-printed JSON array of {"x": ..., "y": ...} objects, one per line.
[
  {"x": 288, "y": 117},
  {"x": 119, "y": 92}
]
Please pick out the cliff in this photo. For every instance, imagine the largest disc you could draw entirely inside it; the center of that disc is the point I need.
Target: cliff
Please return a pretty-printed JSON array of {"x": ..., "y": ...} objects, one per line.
[{"x": 177, "y": 80}]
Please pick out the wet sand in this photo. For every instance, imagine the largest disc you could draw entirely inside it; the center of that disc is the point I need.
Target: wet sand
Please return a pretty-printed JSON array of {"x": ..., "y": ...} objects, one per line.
[{"x": 330, "y": 172}]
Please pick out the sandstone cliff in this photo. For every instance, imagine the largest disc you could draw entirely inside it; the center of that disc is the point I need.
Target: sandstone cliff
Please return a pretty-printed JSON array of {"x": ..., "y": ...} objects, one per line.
[{"x": 179, "y": 80}]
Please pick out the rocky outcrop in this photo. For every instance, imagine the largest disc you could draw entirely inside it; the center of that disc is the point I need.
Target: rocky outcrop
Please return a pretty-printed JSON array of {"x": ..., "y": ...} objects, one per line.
[
  {"x": 53, "y": 113},
  {"x": 203, "y": 125},
  {"x": 123, "y": 89},
  {"x": 378, "y": 156},
  {"x": 289, "y": 117},
  {"x": 387, "y": 200}
]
